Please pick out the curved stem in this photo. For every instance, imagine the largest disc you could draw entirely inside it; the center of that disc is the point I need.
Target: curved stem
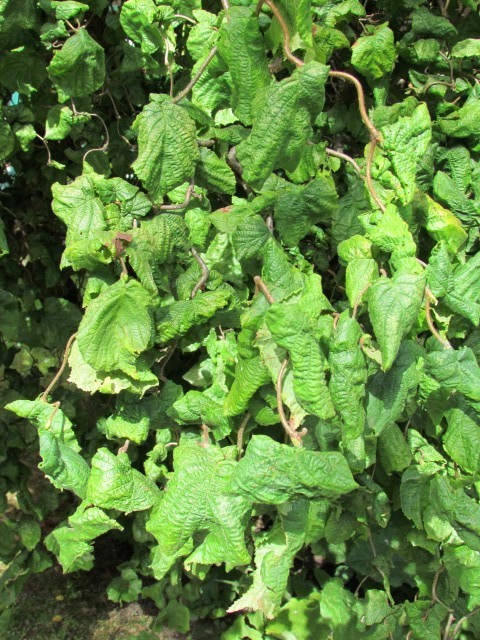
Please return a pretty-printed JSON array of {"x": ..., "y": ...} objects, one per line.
[
  {"x": 49, "y": 155},
  {"x": 358, "y": 300},
  {"x": 347, "y": 158},
  {"x": 61, "y": 370},
  {"x": 295, "y": 436},
  {"x": 183, "y": 94},
  {"x": 374, "y": 133},
  {"x": 286, "y": 35},
  {"x": 124, "y": 447},
  {"x": 429, "y": 297},
  {"x": 205, "y": 273},
  {"x": 241, "y": 431},
  {"x": 457, "y": 628},
  {"x": 177, "y": 207},
  {"x": 261, "y": 286},
  {"x": 368, "y": 175}
]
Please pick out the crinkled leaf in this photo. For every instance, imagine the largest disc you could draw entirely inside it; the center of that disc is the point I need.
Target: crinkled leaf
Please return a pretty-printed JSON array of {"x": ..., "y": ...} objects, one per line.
[
  {"x": 63, "y": 466},
  {"x": 242, "y": 47},
  {"x": 462, "y": 437},
  {"x": 115, "y": 484},
  {"x": 373, "y": 55},
  {"x": 273, "y": 473},
  {"x": 250, "y": 375},
  {"x": 44, "y": 415},
  {"x": 282, "y": 125},
  {"x": 274, "y": 556},
  {"x": 387, "y": 393},
  {"x": 197, "y": 500},
  {"x": 298, "y": 209},
  {"x": 116, "y": 328},
  {"x": 292, "y": 330},
  {"x": 393, "y": 305},
  {"x": 78, "y": 68},
  {"x": 405, "y": 142},
  {"x": 348, "y": 375},
  {"x": 73, "y": 542},
  {"x": 177, "y": 318},
  {"x": 167, "y": 146},
  {"x": 139, "y": 20},
  {"x": 214, "y": 174}
]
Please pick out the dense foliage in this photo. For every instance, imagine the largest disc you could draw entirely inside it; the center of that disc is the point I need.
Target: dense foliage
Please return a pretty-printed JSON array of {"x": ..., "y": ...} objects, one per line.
[{"x": 252, "y": 230}]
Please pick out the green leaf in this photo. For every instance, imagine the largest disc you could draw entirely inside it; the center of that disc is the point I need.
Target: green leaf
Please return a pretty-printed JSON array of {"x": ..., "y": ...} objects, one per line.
[
  {"x": 44, "y": 415},
  {"x": 394, "y": 452},
  {"x": 139, "y": 20},
  {"x": 273, "y": 473},
  {"x": 405, "y": 142},
  {"x": 198, "y": 500},
  {"x": 250, "y": 375},
  {"x": 455, "y": 370},
  {"x": 130, "y": 421},
  {"x": 73, "y": 542},
  {"x": 298, "y": 209},
  {"x": 388, "y": 393},
  {"x": 393, "y": 306},
  {"x": 462, "y": 437},
  {"x": 278, "y": 274},
  {"x": 274, "y": 556},
  {"x": 85, "y": 377},
  {"x": 162, "y": 240},
  {"x": 177, "y": 318},
  {"x": 425, "y": 23},
  {"x": 68, "y": 9},
  {"x": 463, "y": 290},
  {"x": 63, "y": 466},
  {"x": 203, "y": 408},
  {"x": 77, "y": 205},
  {"x": 373, "y": 55},
  {"x": 214, "y": 174},
  {"x": 348, "y": 376},
  {"x": 444, "y": 226},
  {"x": 203, "y": 35},
  {"x": 16, "y": 18},
  {"x": 114, "y": 484},
  {"x": 250, "y": 237},
  {"x": 389, "y": 232},
  {"x": 242, "y": 47},
  {"x": 469, "y": 48},
  {"x": 116, "y": 328},
  {"x": 78, "y": 68},
  {"x": 293, "y": 330},
  {"x": 282, "y": 125},
  {"x": 125, "y": 588},
  {"x": 167, "y": 146},
  {"x": 462, "y": 122},
  {"x": 21, "y": 71}
]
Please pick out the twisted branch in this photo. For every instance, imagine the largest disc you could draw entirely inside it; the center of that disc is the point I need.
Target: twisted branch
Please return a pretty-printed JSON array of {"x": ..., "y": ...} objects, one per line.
[
  {"x": 373, "y": 131},
  {"x": 177, "y": 207},
  {"x": 183, "y": 94},
  {"x": 429, "y": 298},
  {"x": 261, "y": 286},
  {"x": 205, "y": 273},
  {"x": 295, "y": 436},
  {"x": 58, "y": 375},
  {"x": 347, "y": 158}
]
